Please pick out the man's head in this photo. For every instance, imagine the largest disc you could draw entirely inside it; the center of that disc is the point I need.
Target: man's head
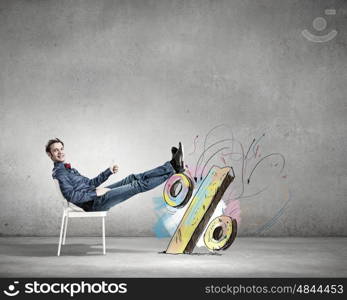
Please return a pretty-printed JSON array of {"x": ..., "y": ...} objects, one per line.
[{"x": 55, "y": 150}]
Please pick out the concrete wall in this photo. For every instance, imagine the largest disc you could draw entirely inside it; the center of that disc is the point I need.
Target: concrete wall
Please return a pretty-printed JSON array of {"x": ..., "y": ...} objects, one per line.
[{"x": 125, "y": 80}]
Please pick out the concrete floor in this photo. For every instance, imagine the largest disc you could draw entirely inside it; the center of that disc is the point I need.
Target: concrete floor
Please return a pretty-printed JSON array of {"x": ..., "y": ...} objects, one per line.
[{"x": 141, "y": 257}]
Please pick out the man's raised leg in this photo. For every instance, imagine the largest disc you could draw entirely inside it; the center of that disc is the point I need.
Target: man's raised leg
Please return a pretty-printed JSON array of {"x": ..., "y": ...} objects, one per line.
[
  {"x": 164, "y": 169},
  {"x": 119, "y": 194}
]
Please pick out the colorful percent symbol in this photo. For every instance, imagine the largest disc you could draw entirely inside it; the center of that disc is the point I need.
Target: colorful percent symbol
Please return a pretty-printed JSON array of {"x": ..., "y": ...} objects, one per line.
[{"x": 177, "y": 192}]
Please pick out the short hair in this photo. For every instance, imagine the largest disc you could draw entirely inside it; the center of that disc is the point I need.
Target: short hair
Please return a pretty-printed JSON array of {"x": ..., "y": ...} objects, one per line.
[{"x": 51, "y": 142}]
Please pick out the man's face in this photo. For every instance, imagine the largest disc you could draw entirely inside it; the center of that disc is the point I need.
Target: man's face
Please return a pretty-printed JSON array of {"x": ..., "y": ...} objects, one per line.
[{"x": 57, "y": 152}]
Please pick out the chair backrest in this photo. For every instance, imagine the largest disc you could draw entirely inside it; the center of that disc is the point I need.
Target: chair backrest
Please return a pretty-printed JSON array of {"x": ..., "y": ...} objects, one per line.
[{"x": 66, "y": 203}]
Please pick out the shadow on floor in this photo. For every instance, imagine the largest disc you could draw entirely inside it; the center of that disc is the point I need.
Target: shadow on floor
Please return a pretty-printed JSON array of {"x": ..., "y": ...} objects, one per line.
[
  {"x": 194, "y": 253},
  {"x": 49, "y": 250}
]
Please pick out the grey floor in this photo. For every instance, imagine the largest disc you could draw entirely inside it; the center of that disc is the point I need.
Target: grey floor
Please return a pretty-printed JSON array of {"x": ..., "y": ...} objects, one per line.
[{"x": 141, "y": 257}]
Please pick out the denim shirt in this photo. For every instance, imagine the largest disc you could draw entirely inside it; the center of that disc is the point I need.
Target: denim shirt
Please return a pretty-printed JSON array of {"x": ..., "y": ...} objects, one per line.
[{"x": 75, "y": 187}]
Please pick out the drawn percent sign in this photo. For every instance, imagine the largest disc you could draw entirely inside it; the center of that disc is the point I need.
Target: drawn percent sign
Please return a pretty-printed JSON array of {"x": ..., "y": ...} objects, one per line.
[{"x": 221, "y": 232}]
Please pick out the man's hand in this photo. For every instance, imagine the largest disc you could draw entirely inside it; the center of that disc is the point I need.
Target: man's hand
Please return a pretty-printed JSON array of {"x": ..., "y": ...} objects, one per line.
[
  {"x": 114, "y": 169},
  {"x": 101, "y": 191}
]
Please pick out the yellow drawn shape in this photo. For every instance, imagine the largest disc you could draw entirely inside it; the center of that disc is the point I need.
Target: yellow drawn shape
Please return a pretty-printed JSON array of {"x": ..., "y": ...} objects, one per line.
[{"x": 220, "y": 233}]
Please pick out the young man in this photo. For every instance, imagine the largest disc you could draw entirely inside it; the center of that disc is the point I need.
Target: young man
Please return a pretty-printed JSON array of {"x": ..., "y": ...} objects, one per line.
[{"x": 87, "y": 194}]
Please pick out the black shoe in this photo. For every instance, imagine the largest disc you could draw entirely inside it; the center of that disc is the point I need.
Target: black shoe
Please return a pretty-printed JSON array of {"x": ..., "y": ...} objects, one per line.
[
  {"x": 173, "y": 151},
  {"x": 177, "y": 159},
  {"x": 180, "y": 149}
]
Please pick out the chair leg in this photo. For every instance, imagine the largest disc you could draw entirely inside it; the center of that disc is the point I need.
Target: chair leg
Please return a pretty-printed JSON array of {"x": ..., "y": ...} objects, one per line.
[
  {"x": 103, "y": 235},
  {"x": 65, "y": 228},
  {"x": 61, "y": 233}
]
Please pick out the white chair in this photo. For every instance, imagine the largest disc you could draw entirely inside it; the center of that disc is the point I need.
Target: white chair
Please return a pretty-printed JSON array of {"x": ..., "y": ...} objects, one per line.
[{"x": 72, "y": 211}]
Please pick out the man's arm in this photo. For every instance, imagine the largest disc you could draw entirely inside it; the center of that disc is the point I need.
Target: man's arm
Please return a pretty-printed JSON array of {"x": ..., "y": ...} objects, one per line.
[
  {"x": 102, "y": 177},
  {"x": 68, "y": 191}
]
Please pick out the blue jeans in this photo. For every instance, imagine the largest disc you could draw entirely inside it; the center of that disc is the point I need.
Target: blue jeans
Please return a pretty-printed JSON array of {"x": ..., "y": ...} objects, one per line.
[{"x": 132, "y": 185}]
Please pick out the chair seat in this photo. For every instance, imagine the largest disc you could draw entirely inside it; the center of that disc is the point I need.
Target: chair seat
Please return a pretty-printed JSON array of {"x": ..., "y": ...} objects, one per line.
[
  {"x": 73, "y": 211},
  {"x": 86, "y": 214}
]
